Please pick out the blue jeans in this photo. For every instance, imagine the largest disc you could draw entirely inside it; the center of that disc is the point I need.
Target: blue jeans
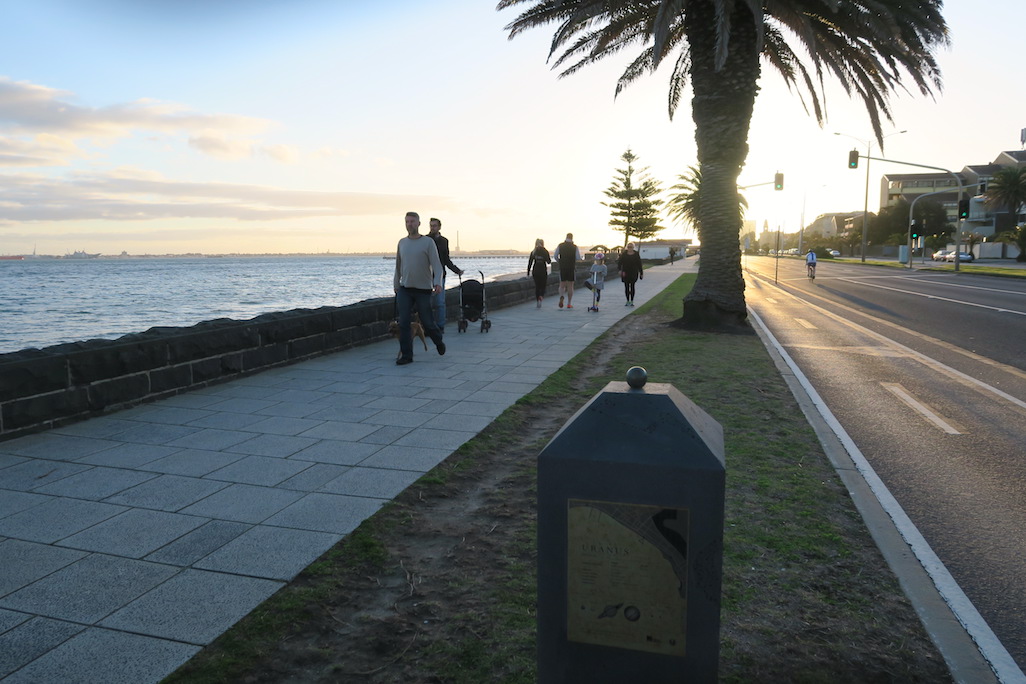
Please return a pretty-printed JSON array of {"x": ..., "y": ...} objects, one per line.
[
  {"x": 407, "y": 299},
  {"x": 438, "y": 307}
]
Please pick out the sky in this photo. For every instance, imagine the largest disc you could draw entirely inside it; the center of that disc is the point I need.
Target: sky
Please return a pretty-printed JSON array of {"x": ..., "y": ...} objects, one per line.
[{"x": 257, "y": 126}]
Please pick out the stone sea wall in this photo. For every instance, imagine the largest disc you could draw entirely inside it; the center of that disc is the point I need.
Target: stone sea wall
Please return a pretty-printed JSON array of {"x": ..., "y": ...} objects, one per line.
[{"x": 43, "y": 388}]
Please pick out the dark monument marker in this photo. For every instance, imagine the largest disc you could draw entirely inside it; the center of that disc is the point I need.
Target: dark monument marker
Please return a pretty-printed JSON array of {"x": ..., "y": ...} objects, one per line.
[{"x": 630, "y": 540}]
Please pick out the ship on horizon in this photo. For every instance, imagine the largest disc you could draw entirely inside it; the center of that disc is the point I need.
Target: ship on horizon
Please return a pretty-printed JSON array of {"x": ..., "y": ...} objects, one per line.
[{"x": 79, "y": 254}]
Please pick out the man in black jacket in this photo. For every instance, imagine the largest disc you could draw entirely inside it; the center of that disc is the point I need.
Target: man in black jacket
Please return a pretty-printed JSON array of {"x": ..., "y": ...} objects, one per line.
[{"x": 438, "y": 300}]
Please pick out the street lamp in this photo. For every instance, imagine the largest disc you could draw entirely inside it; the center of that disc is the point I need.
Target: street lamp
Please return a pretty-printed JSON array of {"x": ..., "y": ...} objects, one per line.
[{"x": 865, "y": 205}]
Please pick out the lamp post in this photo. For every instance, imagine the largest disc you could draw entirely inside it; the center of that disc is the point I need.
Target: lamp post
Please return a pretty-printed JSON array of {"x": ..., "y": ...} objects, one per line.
[{"x": 865, "y": 204}]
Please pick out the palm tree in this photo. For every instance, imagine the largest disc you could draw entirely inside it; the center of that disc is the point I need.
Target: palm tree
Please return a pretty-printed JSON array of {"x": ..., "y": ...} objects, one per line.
[
  {"x": 869, "y": 46},
  {"x": 1017, "y": 237},
  {"x": 1007, "y": 190},
  {"x": 684, "y": 204}
]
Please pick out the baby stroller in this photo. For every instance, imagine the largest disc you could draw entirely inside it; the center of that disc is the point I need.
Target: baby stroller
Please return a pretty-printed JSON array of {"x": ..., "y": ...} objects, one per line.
[{"x": 472, "y": 304}]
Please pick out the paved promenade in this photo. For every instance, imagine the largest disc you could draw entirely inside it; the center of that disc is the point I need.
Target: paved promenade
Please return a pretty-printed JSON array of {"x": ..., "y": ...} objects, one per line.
[{"x": 129, "y": 541}]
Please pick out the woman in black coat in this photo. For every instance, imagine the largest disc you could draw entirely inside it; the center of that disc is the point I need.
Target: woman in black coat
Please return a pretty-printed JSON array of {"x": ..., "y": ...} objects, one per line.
[
  {"x": 629, "y": 265},
  {"x": 538, "y": 264}
]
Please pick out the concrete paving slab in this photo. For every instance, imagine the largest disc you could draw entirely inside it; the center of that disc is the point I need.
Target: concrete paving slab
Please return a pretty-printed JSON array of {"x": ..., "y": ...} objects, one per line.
[
  {"x": 453, "y": 422},
  {"x": 56, "y": 519},
  {"x": 211, "y": 439},
  {"x": 396, "y": 457},
  {"x": 269, "y": 552},
  {"x": 340, "y": 430},
  {"x": 227, "y": 421},
  {"x": 290, "y": 409},
  {"x": 195, "y": 606},
  {"x": 168, "y": 493},
  {"x": 145, "y": 433},
  {"x": 84, "y": 591},
  {"x": 324, "y": 512},
  {"x": 283, "y": 425},
  {"x": 7, "y": 460},
  {"x": 100, "y": 428},
  {"x": 34, "y": 473},
  {"x": 336, "y": 452},
  {"x": 96, "y": 483},
  {"x": 56, "y": 447},
  {"x": 239, "y": 405},
  {"x": 102, "y": 656},
  {"x": 398, "y": 418},
  {"x": 243, "y": 503},
  {"x": 382, "y": 483},
  {"x": 259, "y": 470},
  {"x": 12, "y": 501},
  {"x": 450, "y": 440},
  {"x": 32, "y": 638},
  {"x": 170, "y": 415},
  {"x": 10, "y": 619},
  {"x": 25, "y": 562},
  {"x": 134, "y": 533},
  {"x": 192, "y": 462},
  {"x": 128, "y": 455},
  {"x": 386, "y": 434},
  {"x": 201, "y": 542},
  {"x": 346, "y": 414},
  {"x": 275, "y": 446},
  {"x": 314, "y": 477}
]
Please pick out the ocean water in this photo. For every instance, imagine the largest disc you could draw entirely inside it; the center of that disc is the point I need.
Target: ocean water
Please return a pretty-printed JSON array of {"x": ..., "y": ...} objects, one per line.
[{"x": 49, "y": 301}]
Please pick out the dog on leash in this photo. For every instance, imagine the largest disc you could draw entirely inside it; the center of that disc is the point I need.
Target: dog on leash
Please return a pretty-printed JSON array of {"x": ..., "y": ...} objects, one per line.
[{"x": 415, "y": 327}]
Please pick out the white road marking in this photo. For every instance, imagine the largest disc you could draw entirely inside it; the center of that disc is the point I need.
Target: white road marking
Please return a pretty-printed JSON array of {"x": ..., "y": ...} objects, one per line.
[
  {"x": 901, "y": 393},
  {"x": 929, "y": 296},
  {"x": 805, "y": 324}
]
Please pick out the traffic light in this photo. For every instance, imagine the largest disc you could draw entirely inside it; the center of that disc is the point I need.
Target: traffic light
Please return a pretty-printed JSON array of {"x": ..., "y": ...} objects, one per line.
[
  {"x": 963, "y": 208},
  {"x": 778, "y": 181},
  {"x": 915, "y": 234},
  {"x": 853, "y": 159}
]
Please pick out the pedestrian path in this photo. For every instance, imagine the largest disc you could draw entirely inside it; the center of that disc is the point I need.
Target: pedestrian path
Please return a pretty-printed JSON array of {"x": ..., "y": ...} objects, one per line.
[{"x": 129, "y": 541}]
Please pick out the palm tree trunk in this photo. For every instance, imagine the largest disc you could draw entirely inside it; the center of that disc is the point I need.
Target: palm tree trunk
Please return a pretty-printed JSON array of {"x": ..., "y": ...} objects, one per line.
[{"x": 722, "y": 109}]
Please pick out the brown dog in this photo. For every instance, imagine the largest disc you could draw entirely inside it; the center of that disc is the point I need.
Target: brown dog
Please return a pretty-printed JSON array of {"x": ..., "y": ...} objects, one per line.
[{"x": 415, "y": 327}]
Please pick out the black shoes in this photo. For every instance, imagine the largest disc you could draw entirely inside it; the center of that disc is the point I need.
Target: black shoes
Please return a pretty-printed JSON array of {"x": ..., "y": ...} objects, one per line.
[
  {"x": 441, "y": 348},
  {"x": 402, "y": 361}
]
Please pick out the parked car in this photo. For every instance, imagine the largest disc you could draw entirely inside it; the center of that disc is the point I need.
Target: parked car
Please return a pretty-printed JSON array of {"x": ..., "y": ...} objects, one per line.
[
  {"x": 962, "y": 257},
  {"x": 834, "y": 253},
  {"x": 940, "y": 254}
]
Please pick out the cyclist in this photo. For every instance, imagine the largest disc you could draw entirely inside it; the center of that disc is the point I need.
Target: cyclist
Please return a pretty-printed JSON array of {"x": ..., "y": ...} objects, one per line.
[{"x": 810, "y": 262}]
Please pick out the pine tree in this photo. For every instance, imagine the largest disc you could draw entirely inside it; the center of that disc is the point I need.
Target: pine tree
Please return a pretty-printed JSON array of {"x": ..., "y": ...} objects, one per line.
[{"x": 634, "y": 206}]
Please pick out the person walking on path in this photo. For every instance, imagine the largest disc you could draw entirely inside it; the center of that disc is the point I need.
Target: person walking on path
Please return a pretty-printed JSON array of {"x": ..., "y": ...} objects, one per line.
[
  {"x": 629, "y": 266},
  {"x": 567, "y": 256},
  {"x": 599, "y": 270},
  {"x": 442, "y": 245},
  {"x": 537, "y": 263},
  {"x": 418, "y": 274}
]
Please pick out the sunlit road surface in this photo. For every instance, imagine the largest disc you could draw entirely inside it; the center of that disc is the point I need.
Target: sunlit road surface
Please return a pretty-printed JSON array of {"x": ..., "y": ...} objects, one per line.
[{"x": 927, "y": 374}]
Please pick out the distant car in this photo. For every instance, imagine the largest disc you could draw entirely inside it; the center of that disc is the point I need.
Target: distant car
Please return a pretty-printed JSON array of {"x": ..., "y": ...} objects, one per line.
[
  {"x": 962, "y": 256},
  {"x": 834, "y": 253},
  {"x": 940, "y": 254}
]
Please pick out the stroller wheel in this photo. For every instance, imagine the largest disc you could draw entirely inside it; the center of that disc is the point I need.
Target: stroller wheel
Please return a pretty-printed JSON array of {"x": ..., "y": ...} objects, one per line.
[
  {"x": 486, "y": 325},
  {"x": 461, "y": 326}
]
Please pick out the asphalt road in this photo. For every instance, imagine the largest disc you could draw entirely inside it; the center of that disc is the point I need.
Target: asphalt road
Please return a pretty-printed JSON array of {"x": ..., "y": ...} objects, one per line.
[{"x": 927, "y": 374}]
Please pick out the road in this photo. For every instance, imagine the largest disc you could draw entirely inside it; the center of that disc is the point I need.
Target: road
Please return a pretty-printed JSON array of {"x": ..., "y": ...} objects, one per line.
[{"x": 927, "y": 374}]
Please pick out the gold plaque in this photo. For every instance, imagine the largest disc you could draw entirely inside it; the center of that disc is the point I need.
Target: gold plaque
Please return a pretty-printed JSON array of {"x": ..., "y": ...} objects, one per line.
[{"x": 627, "y": 576}]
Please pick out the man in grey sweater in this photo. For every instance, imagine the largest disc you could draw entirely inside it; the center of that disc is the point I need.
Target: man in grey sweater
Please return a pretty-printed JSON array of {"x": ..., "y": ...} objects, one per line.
[{"x": 418, "y": 274}]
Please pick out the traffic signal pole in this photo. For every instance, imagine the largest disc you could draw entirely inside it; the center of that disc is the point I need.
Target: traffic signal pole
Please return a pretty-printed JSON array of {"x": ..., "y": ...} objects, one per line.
[
  {"x": 911, "y": 208},
  {"x": 958, "y": 229}
]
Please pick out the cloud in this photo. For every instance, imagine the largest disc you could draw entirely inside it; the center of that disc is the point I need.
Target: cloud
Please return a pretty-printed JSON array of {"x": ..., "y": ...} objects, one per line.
[
  {"x": 31, "y": 115},
  {"x": 131, "y": 195}
]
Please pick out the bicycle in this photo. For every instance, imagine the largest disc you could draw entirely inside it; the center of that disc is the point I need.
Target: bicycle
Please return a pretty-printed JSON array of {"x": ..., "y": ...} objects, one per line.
[{"x": 812, "y": 271}]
